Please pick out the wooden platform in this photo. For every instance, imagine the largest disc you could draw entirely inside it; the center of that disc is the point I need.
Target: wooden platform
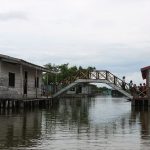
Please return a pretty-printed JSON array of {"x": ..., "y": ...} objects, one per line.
[
  {"x": 25, "y": 102},
  {"x": 141, "y": 101},
  {"x": 141, "y": 98}
]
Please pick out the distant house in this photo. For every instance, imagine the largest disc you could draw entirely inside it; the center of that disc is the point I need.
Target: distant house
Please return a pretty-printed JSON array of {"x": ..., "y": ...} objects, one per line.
[
  {"x": 19, "y": 79},
  {"x": 83, "y": 89}
]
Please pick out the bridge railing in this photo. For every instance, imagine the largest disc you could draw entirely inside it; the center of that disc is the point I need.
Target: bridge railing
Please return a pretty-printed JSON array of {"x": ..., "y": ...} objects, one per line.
[
  {"x": 117, "y": 81},
  {"x": 94, "y": 75},
  {"x": 84, "y": 74}
]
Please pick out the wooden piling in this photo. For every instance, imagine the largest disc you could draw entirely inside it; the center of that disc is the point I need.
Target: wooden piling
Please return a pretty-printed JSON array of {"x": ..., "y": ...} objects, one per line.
[
  {"x": 141, "y": 102},
  {"x": 25, "y": 103}
]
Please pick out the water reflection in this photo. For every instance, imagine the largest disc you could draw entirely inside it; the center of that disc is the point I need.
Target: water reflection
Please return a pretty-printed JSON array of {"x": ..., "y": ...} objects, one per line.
[
  {"x": 144, "y": 119},
  {"x": 87, "y": 123},
  {"x": 19, "y": 128}
]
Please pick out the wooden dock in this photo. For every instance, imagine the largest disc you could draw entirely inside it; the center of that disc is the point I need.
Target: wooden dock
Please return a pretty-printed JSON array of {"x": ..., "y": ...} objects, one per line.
[{"x": 141, "y": 101}]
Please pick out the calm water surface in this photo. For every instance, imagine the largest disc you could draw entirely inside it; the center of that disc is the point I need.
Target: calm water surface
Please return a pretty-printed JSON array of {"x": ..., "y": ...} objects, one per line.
[{"x": 100, "y": 123}]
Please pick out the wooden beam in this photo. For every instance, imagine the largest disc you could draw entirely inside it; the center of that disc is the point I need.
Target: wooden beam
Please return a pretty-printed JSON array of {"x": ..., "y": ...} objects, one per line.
[
  {"x": 36, "y": 84},
  {"x": 21, "y": 80},
  {"x": 47, "y": 84}
]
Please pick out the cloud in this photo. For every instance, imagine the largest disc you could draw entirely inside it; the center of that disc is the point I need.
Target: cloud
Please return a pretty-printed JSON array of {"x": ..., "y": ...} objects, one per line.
[
  {"x": 13, "y": 16},
  {"x": 111, "y": 34}
]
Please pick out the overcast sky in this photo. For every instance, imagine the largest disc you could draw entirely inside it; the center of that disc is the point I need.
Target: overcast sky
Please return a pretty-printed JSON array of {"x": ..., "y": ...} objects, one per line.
[{"x": 108, "y": 34}]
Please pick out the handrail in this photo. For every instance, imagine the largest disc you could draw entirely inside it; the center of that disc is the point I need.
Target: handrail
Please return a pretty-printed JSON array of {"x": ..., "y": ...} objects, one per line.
[{"x": 95, "y": 75}]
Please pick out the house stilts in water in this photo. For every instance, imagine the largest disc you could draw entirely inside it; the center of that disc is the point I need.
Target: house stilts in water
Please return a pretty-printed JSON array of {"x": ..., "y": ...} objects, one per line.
[
  {"x": 143, "y": 97},
  {"x": 20, "y": 81}
]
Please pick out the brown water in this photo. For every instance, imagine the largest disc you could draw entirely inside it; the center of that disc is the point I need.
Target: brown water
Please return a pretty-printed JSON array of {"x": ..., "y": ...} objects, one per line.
[{"x": 101, "y": 123}]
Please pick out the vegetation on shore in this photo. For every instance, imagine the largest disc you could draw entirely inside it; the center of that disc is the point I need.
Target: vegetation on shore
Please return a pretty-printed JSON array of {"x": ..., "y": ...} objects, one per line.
[
  {"x": 60, "y": 72},
  {"x": 63, "y": 71}
]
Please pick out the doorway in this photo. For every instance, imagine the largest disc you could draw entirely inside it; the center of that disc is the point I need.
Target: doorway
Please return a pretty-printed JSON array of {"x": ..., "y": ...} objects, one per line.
[{"x": 25, "y": 82}]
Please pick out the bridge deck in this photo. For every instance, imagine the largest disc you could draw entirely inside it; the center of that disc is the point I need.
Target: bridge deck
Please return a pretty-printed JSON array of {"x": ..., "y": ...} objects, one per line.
[{"x": 98, "y": 76}]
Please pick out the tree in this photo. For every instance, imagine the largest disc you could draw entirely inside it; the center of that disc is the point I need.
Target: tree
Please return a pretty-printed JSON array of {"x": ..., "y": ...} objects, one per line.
[{"x": 60, "y": 72}]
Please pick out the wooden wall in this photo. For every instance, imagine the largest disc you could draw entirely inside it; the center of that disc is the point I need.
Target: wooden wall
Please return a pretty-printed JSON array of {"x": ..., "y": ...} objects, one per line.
[
  {"x": 148, "y": 82},
  {"x": 17, "y": 91}
]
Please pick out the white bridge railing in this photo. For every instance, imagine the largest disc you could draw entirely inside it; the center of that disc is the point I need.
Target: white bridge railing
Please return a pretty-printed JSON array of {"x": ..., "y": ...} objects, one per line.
[{"x": 98, "y": 76}]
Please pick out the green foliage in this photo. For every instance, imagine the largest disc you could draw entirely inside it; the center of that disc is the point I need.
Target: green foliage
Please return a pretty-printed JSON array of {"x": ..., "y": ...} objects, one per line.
[
  {"x": 103, "y": 89},
  {"x": 60, "y": 72}
]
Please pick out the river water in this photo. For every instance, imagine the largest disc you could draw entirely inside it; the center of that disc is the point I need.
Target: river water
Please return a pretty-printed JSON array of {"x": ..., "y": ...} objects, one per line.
[{"x": 100, "y": 123}]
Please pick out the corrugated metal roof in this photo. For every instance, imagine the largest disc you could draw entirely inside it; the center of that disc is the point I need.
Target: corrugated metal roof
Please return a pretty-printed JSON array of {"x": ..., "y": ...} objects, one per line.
[{"x": 23, "y": 62}]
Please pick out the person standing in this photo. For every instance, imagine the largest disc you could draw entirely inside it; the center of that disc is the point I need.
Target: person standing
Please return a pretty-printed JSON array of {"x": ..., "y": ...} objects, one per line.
[
  {"x": 123, "y": 83},
  {"x": 144, "y": 89},
  {"x": 131, "y": 86}
]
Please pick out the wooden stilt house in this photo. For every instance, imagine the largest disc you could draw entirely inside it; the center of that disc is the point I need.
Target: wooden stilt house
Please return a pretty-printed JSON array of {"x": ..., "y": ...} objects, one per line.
[
  {"x": 146, "y": 75},
  {"x": 19, "y": 79}
]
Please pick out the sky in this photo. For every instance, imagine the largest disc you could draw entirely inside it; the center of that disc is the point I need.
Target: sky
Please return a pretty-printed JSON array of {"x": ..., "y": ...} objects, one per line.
[{"x": 111, "y": 35}]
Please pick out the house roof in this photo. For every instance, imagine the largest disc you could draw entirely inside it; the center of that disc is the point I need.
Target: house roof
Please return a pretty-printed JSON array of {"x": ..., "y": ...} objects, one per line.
[
  {"x": 22, "y": 62},
  {"x": 144, "y": 71}
]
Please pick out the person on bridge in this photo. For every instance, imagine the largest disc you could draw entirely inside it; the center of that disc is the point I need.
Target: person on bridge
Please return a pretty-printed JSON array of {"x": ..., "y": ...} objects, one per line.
[
  {"x": 123, "y": 83},
  {"x": 131, "y": 86},
  {"x": 144, "y": 89}
]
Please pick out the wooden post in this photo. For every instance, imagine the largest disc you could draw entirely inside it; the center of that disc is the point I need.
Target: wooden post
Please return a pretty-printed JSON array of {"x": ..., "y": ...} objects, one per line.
[
  {"x": 2, "y": 104},
  {"x": 22, "y": 104},
  {"x": 21, "y": 80},
  {"x": 106, "y": 75},
  {"x": 36, "y": 84},
  {"x": 97, "y": 75},
  {"x": 115, "y": 80},
  {"x": 0, "y": 67},
  {"x": 14, "y": 104},
  {"x": 89, "y": 75},
  {"x": 56, "y": 82},
  {"x": 148, "y": 83},
  {"x": 133, "y": 102},
  {"x": 47, "y": 84},
  {"x": 10, "y": 104}
]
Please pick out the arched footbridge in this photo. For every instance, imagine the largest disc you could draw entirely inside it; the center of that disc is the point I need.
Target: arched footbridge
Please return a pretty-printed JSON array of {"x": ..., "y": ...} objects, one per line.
[{"x": 98, "y": 76}]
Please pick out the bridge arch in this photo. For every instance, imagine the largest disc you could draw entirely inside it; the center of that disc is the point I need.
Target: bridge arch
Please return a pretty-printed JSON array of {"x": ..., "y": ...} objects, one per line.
[{"x": 98, "y": 76}]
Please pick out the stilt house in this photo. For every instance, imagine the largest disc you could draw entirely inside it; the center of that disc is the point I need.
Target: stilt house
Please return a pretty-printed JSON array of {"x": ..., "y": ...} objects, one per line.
[
  {"x": 19, "y": 79},
  {"x": 146, "y": 75}
]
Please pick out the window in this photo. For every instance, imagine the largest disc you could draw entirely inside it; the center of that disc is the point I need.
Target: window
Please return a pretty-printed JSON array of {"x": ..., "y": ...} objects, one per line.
[
  {"x": 37, "y": 82},
  {"x": 11, "y": 79}
]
